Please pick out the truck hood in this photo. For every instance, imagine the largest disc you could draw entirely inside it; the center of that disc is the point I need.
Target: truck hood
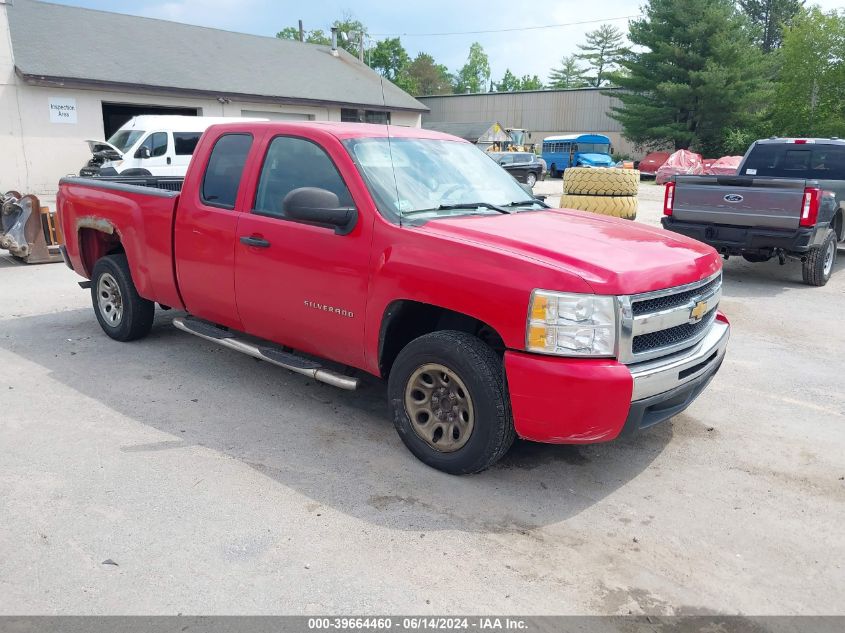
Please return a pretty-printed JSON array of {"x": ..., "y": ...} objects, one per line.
[
  {"x": 595, "y": 160},
  {"x": 103, "y": 146},
  {"x": 613, "y": 256}
]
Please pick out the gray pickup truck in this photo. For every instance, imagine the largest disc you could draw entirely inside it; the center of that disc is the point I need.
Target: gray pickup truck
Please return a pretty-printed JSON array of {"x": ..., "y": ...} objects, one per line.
[{"x": 786, "y": 201}]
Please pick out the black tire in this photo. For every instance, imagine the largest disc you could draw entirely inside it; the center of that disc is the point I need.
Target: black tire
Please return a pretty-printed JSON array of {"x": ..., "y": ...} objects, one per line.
[
  {"x": 481, "y": 370},
  {"x": 553, "y": 172},
  {"x": 756, "y": 258},
  {"x": 111, "y": 276},
  {"x": 818, "y": 267}
]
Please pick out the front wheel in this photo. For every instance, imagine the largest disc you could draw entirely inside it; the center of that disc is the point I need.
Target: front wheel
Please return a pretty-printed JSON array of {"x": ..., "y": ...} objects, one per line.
[
  {"x": 531, "y": 179},
  {"x": 122, "y": 313},
  {"x": 449, "y": 402},
  {"x": 818, "y": 267}
]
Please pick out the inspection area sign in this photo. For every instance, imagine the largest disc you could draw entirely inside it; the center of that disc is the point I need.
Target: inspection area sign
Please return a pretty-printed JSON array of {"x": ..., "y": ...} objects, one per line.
[{"x": 62, "y": 110}]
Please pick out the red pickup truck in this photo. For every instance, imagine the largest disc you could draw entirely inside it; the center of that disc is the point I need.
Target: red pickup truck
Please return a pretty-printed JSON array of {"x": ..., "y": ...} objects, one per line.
[{"x": 332, "y": 249}]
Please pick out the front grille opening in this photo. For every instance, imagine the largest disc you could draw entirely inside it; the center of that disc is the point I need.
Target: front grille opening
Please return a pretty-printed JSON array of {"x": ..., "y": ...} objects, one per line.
[
  {"x": 673, "y": 335},
  {"x": 658, "y": 304}
]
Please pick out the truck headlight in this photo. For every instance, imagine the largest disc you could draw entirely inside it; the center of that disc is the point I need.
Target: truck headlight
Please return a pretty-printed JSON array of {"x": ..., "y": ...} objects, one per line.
[{"x": 568, "y": 324}]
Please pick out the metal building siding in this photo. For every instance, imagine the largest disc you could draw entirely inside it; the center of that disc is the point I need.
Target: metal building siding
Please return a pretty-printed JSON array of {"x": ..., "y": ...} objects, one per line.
[{"x": 558, "y": 110}]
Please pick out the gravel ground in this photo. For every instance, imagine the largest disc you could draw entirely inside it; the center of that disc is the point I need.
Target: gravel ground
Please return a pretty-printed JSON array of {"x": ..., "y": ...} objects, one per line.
[{"x": 170, "y": 475}]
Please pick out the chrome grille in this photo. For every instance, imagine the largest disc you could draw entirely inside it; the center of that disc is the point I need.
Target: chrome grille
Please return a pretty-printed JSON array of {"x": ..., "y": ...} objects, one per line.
[
  {"x": 672, "y": 301},
  {"x": 663, "y": 322},
  {"x": 671, "y": 336}
]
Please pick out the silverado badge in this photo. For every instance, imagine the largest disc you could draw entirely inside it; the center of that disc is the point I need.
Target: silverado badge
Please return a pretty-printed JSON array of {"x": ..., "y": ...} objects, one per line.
[{"x": 698, "y": 311}]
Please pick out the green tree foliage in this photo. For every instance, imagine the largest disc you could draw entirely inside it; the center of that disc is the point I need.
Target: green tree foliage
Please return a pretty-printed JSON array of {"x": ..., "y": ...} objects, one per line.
[
  {"x": 315, "y": 36},
  {"x": 509, "y": 82},
  {"x": 696, "y": 74},
  {"x": 602, "y": 52},
  {"x": 810, "y": 95},
  {"x": 770, "y": 17},
  {"x": 350, "y": 32},
  {"x": 390, "y": 59},
  {"x": 474, "y": 76},
  {"x": 530, "y": 82},
  {"x": 568, "y": 75},
  {"x": 428, "y": 78}
]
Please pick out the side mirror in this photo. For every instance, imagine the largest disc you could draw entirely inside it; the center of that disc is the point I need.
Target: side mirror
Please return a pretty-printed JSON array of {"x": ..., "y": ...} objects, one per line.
[
  {"x": 313, "y": 205},
  {"x": 143, "y": 152}
]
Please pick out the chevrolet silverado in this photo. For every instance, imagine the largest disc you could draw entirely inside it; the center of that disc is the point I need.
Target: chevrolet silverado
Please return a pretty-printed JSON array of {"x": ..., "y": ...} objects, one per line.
[{"x": 331, "y": 249}]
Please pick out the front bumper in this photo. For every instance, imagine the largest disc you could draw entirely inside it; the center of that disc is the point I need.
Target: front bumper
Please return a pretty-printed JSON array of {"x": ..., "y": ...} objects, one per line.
[
  {"x": 575, "y": 401},
  {"x": 734, "y": 240}
]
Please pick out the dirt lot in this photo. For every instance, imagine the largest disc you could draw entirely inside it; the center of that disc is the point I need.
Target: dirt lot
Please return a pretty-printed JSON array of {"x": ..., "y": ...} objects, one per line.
[{"x": 219, "y": 484}]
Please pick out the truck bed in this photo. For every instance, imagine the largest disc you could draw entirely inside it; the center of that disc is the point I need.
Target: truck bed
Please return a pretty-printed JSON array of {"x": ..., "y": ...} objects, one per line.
[
  {"x": 98, "y": 213},
  {"x": 747, "y": 201}
]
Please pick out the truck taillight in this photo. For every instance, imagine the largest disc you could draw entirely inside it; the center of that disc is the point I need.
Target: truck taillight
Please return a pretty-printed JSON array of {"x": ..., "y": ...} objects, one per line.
[
  {"x": 668, "y": 198},
  {"x": 810, "y": 208}
]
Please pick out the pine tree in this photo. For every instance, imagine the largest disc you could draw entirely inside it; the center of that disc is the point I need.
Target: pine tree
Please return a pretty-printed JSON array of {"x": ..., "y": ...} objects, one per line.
[
  {"x": 569, "y": 75},
  {"x": 696, "y": 74},
  {"x": 602, "y": 52},
  {"x": 771, "y": 16}
]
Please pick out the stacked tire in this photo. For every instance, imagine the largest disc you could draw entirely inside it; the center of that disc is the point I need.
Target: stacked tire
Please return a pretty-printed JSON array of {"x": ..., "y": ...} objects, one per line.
[{"x": 606, "y": 191}]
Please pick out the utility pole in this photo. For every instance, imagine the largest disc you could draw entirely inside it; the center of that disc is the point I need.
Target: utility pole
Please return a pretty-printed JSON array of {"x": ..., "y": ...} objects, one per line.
[
  {"x": 361, "y": 46},
  {"x": 301, "y": 32}
]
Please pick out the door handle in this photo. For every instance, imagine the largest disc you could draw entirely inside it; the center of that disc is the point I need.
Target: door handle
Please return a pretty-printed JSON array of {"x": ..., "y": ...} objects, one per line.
[
  {"x": 168, "y": 160},
  {"x": 258, "y": 242}
]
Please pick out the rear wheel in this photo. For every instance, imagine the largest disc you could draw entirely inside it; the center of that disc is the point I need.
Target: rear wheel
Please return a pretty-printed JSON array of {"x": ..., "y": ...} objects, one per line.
[
  {"x": 449, "y": 402},
  {"x": 818, "y": 267},
  {"x": 122, "y": 313}
]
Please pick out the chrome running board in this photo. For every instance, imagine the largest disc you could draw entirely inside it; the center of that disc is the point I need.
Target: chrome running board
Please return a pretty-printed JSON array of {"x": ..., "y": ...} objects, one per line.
[{"x": 297, "y": 364}]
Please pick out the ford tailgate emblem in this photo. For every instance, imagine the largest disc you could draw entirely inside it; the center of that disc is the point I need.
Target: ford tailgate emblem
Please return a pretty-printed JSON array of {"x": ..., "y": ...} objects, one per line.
[{"x": 733, "y": 197}]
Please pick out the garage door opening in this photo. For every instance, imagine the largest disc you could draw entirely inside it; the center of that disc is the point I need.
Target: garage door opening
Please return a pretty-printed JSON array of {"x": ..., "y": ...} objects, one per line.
[{"x": 116, "y": 114}]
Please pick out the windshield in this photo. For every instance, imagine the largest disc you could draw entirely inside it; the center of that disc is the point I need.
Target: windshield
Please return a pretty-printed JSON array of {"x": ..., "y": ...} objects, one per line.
[
  {"x": 411, "y": 176},
  {"x": 593, "y": 148},
  {"x": 517, "y": 136},
  {"x": 124, "y": 139}
]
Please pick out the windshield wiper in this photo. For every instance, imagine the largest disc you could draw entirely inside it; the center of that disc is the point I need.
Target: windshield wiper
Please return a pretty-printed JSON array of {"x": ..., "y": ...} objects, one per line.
[
  {"x": 473, "y": 205},
  {"x": 519, "y": 203}
]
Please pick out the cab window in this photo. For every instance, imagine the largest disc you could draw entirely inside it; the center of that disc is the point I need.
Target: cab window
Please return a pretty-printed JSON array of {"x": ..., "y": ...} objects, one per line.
[
  {"x": 223, "y": 173},
  {"x": 156, "y": 143},
  {"x": 292, "y": 163}
]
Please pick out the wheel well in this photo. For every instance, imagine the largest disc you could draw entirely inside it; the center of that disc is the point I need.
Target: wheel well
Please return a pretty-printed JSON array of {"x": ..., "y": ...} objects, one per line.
[
  {"x": 837, "y": 224},
  {"x": 406, "y": 320},
  {"x": 95, "y": 244}
]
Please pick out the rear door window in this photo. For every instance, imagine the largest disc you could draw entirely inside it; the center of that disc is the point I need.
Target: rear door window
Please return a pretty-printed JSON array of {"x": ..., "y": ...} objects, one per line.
[
  {"x": 807, "y": 161},
  {"x": 223, "y": 173},
  {"x": 184, "y": 143}
]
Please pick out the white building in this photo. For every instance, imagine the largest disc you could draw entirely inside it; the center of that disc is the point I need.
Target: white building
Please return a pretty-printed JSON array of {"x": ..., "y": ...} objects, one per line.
[{"x": 69, "y": 74}]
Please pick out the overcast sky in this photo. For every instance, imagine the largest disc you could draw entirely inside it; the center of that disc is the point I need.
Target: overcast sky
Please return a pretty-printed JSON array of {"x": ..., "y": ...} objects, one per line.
[{"x": 529, "y": 51}]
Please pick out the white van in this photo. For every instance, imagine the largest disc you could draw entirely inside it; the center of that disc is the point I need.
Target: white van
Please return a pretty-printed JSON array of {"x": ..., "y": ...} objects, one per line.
[{"x": 151, "y": 145}]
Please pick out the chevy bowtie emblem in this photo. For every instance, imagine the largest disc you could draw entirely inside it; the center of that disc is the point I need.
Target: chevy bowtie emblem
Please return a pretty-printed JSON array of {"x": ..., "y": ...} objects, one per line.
[{"x": 698, "y": 311}]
